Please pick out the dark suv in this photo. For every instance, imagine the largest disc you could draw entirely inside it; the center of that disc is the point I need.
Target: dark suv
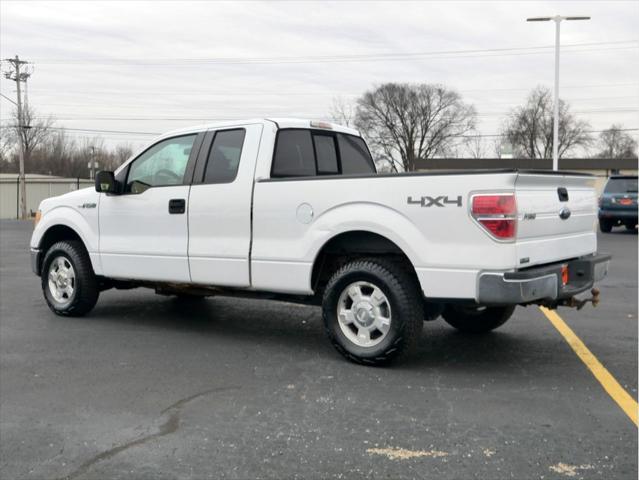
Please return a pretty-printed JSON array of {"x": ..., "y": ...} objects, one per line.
[{"x": 618, "y": 203}]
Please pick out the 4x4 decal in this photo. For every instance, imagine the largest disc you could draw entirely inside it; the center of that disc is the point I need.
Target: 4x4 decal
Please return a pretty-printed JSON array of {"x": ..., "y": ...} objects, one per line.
[{"x": 440, "y": 201}]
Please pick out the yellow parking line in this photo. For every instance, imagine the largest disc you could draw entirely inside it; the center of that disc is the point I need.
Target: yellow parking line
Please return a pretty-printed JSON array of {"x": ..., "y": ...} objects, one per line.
[{"x": 608, "y": 382}]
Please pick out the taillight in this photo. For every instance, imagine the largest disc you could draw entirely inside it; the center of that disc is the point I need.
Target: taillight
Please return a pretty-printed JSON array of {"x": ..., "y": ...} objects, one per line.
[
  {"x": 564, "y": 275},
  {"x": 497, "y": 213}
]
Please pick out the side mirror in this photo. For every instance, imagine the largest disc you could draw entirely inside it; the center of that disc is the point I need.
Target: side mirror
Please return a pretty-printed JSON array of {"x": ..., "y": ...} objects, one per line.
[{"x": 105, "y": 182}]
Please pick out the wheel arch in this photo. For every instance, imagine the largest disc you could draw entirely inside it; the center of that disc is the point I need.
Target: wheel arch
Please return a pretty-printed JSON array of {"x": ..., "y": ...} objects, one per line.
[
  {"x": 57, "y": 233},
  {"x": 349, "y": 245}
]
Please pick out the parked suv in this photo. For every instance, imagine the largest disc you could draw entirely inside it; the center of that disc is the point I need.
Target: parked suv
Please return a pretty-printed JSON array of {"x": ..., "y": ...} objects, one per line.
[{"x": 618, "y": 203}]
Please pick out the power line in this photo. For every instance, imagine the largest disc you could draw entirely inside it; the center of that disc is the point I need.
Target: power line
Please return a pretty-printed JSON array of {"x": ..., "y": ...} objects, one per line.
[
  {"x": 289, "y": 114},
  {"x": 43, "y": 92},
  {"x": 91, "y": 130},
  {"x": 127, "y": 104},
  {"x": 575, "y": 47},
  {"x": 126, "y": 132},
  {"x": 7, "y": 98}
]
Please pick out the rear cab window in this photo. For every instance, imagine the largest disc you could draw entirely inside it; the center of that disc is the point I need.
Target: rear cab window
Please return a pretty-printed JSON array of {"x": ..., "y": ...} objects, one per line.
[
  {"x": 354, "y": 155},
  {"x": 308, "y": 153},
  {"x": 293, "y": 155}
]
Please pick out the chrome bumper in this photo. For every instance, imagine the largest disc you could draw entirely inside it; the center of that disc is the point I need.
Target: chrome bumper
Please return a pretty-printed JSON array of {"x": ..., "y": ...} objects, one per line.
[{"x": 541, "y": 283}]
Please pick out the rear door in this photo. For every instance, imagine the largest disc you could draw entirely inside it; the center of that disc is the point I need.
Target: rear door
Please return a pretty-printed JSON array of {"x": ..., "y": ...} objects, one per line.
[
  {"x": 557, "y": 217},
  {"x": 220, "y": 207}
]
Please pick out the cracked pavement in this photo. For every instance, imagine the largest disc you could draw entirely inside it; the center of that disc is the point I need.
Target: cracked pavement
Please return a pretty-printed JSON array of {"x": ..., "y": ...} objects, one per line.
[{"x": 147, "y": 387}]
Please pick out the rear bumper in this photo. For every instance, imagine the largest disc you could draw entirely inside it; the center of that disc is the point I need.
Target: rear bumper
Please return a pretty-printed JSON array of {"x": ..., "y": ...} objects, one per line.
[
  {"x": 618, "y": 214},
  {"x": 541, "y": 283}
]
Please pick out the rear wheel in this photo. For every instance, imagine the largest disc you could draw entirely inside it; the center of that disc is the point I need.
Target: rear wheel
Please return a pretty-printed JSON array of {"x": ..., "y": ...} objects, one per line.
[
  {"x": 475, "y": 319},
  {"x": 605, "y": 225},
  {"x": 373, "y": 310},
  {"x": 68, "y": 282},
  {"x": 630, "y": 226}
]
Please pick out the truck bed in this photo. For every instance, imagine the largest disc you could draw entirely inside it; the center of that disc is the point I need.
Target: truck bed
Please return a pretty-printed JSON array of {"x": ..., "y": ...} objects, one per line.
[{"x": 447, "y": 247}]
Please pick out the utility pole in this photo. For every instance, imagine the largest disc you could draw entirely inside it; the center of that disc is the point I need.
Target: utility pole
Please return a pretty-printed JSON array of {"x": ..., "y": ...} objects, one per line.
[{"x": 17, "y": 76}]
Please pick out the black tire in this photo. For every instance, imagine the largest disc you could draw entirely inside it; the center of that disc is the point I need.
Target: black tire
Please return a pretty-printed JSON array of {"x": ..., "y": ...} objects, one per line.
[
  {"x": 85, "y": 286},
  {"x": 404, "y": 299},
  {"x": 605, "y": 225},
  {"x": 476, "y": 319},
  {"x": 630, "y": 226}
]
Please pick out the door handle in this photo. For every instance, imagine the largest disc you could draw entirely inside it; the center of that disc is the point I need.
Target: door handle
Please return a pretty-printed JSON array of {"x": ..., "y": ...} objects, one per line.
[
  {"x": 562, "y": 193},
  {"x": 177, "y": 205}
]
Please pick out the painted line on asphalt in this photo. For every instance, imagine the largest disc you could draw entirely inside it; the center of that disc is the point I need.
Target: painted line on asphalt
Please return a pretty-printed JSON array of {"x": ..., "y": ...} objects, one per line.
[{"x": 603, "y": 376}]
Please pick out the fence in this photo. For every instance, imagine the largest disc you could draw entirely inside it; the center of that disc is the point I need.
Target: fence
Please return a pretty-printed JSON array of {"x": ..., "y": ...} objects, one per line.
[
  {"x": 602, "y": 165},
  {"x": 37, "y": 189}
]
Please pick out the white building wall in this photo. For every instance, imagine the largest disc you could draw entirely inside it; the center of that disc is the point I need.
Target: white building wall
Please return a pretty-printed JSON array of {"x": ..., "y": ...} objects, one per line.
[{"x": 38, "y": 188}]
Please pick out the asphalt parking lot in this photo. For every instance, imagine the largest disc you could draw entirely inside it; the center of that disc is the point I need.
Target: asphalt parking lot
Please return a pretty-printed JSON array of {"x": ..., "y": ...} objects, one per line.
[{"x": 145, "y": 387}]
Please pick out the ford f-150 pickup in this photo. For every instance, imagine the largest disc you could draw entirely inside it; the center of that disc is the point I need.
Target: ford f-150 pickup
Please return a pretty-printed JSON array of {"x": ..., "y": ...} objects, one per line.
[{"x": 294, "y": 210}]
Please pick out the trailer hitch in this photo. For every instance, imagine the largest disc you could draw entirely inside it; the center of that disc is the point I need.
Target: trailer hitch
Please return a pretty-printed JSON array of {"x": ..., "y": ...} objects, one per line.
[{"x": 577, "y": 303}]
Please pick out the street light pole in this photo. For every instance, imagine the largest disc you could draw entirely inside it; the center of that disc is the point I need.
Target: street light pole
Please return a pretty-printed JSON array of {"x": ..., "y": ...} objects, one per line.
[
  {"x": 555, "y": 124},
  {"x": 555, "y": 129}
]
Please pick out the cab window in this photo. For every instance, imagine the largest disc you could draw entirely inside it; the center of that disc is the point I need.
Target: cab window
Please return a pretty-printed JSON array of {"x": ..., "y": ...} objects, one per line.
[
  {"x": 326, "y": 154},
  {"x": 161, "y": 165},
  {"x": 224, "y": 156},
  {"x": 304, "y": 153},
  {"x": 354, "y": 155},
  {"x": 294, "y": 154}
]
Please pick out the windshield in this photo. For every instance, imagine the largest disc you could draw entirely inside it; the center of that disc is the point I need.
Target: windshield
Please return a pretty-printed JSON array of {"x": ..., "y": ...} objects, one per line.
[{"x": 621, "y": 185}]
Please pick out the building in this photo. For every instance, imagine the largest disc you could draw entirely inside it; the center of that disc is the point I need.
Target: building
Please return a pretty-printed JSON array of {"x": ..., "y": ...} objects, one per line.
[{"x": 38, "y": 188}]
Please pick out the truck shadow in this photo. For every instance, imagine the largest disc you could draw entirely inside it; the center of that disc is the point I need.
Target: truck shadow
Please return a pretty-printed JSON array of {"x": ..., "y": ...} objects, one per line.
[{"x": 297, "y": 330}]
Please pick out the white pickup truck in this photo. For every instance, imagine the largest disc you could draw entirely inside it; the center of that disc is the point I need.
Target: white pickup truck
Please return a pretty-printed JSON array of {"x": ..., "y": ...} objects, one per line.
[{"x": 295, "y": 210}]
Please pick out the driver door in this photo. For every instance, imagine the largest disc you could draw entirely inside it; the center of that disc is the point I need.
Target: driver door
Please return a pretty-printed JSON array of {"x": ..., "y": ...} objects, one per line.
[{"x": 143, "y": 229}]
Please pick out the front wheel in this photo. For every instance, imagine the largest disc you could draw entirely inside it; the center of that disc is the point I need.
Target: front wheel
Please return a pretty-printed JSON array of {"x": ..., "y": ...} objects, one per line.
[
  {"x": 68, "y": 282},
  {"x": 475, "y": 319},
  {"x": 373, "y": 310}
]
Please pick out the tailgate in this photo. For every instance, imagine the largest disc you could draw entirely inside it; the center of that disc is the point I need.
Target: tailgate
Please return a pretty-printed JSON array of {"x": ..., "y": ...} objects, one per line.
[{"x": 557, "y": 217}]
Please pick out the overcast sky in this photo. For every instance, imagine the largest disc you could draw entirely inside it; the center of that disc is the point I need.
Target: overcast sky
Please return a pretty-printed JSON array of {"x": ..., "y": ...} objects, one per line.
[{"x": 158, "y": 65}]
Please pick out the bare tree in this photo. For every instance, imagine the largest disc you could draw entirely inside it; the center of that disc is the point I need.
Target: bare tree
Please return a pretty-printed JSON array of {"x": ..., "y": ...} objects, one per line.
[
  {"x": 529, "y": 128},
  {"x": 343, "y": 111},
  {"x": 121, "y": 154},
  {"x": 6, "y": 144},
  {"x": 409, "y": 122},
  {"x": 497, "y": 146},
  {"x": 34, "y": 131},
  {"x": 61, "y": 155},
  {"x": 616, "y": 143},
  {"x": 54, "y": 155},
  {"x": 475, "y": 146}
]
